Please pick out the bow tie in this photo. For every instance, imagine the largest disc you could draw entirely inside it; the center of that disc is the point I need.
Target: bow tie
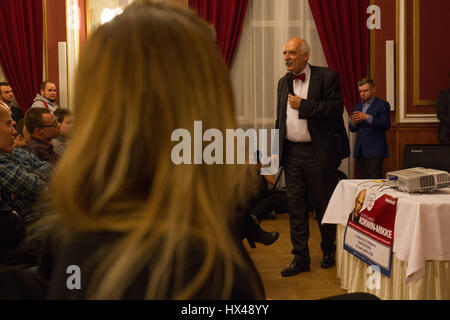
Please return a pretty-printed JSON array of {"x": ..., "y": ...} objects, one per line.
[{"x": 299, "y": 76}]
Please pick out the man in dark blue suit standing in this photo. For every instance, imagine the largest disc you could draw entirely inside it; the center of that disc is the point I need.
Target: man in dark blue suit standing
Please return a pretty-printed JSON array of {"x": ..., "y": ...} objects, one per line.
[{"x": 370, "y": 120}]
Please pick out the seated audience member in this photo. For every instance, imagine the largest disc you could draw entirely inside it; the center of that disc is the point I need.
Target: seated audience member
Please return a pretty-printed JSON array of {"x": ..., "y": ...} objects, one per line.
[
  {"x": 43, "y": 127},
  {"x": 47, "y": 97},
  {"x": 13, "y": 249},
  {"x": 12, "y": 228},
  {"x": 7, "y": 99},
  {"x": 22, "y": 136},
  {"x": 22, "y": 175},
  {"x": 262, "y": 206},
  {"x": 64, "y": 117},
  {"x": 138, "y": 225},
  {"x": 253, "y": 232},
  {"x": 252, "y": 213}
]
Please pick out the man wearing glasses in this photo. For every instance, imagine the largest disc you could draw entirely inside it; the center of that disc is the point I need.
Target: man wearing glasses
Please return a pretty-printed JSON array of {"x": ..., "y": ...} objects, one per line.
[
  {"x": 43, "y": 127},
  {"x": 22, "y": 175}
]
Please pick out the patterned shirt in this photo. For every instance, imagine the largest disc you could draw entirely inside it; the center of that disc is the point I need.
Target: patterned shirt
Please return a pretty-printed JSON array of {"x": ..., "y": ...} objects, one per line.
[
  {"x": 41, "y": 149},
  {"x": 22, "y": 178},
  {"x": 366, "y": 105}
]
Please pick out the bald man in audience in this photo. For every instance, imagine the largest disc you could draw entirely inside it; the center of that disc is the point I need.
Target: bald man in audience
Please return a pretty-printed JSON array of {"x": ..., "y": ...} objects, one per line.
[{"x": 22, "y": 176}]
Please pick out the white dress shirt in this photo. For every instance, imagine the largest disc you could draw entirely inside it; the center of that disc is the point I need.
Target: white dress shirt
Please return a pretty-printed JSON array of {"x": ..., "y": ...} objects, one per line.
[{"x": 297, "y": 129}]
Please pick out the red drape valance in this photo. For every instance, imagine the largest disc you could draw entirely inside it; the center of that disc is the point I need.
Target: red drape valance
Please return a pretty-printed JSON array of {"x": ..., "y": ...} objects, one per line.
[
  {"x": 344, "y": 35},
  {"x": 227, "y": 17}
]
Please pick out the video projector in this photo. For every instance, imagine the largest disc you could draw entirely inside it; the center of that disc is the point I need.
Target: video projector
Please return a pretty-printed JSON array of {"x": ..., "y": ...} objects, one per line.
[{"x": 418, "y": 179}]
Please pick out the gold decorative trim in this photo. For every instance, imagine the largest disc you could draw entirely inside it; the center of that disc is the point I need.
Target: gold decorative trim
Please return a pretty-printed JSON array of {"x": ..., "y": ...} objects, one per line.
[
  {"x": 397, "y": 76},
  {"x": 416, "y": 58},
  {"x": 372, "y": 51},
  {"x": 67, "y": 8},
  {"x": 44, "y": 18},
  {"x": 403, "y": 116},
  {"x": 397, "y": 57},
  {"x": 88, "y": 18},
  {"x": 72, "y": 43}
]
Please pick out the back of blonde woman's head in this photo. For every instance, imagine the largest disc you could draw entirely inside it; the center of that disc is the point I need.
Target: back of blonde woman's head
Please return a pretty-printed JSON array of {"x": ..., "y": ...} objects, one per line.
[{"x": 150, "y": 71}]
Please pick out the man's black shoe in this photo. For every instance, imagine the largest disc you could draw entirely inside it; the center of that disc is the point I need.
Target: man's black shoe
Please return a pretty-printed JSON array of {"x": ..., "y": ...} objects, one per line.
[
  {"x": 328, "y": 261},
  {"x": 294, "y": 269}
]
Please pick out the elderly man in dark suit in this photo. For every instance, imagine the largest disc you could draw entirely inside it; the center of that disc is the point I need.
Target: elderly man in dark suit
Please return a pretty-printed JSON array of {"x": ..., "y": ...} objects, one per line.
[
  {"x": 370, "y": 120},
  {"x": 313, "y": 141}
]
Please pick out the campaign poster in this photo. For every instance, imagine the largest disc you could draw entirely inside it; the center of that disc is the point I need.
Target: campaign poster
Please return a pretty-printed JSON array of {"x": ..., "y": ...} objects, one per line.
[{"x": 370, "y": 229}]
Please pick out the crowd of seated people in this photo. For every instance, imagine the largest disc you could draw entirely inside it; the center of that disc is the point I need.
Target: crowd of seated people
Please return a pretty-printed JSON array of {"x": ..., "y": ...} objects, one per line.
[
  {"x": 31, "y": 151},
  {"x": 42, "y": 136},
  {"x": 22, "y": 179},
  {"x": 30, "y": 145}
]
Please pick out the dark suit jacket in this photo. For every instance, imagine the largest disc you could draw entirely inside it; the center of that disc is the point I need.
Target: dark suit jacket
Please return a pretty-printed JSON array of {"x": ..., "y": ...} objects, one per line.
[
  {"x": 17, "y": 113},
  {"x": 323, "y": 111},
  {"x": 371, "y": 138},
  {"x": 443, "y": 113}
]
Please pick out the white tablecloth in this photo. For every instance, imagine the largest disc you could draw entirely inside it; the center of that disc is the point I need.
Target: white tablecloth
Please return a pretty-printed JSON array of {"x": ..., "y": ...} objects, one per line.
[
  {"x": 354, "y": 277},
  {"x": 422, "y": 224}
]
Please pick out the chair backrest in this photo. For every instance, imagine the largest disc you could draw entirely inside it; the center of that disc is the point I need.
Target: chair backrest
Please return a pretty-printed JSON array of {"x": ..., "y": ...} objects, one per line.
[{"x": 433, "y": 156}]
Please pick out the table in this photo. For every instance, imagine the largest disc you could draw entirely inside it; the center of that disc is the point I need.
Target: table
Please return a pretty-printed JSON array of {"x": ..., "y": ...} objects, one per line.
[{"x": 421, "y": 250}]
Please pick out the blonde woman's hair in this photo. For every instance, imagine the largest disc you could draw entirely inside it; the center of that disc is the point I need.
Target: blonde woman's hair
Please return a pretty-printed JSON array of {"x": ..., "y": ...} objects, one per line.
[{"x": 151, "y": 70}]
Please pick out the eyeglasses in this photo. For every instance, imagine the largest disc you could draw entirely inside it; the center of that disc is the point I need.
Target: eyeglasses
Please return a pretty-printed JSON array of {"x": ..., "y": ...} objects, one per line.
[{"x": 54, "y": 125}]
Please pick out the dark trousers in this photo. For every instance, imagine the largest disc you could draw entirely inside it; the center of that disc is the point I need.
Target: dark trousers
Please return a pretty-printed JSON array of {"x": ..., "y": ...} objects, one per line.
[
  {"x": 303, "y": 175},
  {"x": 369, "y": 168}
]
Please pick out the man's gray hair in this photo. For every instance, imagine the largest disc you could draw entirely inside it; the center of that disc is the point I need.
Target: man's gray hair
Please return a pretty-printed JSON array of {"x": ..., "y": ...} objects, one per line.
[{"x": 305, "y": 47}]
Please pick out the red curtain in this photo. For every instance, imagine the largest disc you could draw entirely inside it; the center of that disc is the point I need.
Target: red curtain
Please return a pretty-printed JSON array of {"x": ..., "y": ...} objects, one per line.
[
  {"x": 227, "y": 17},
  {"x": 21, "y": 47},
  {"x": 345, "y": 40}
]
